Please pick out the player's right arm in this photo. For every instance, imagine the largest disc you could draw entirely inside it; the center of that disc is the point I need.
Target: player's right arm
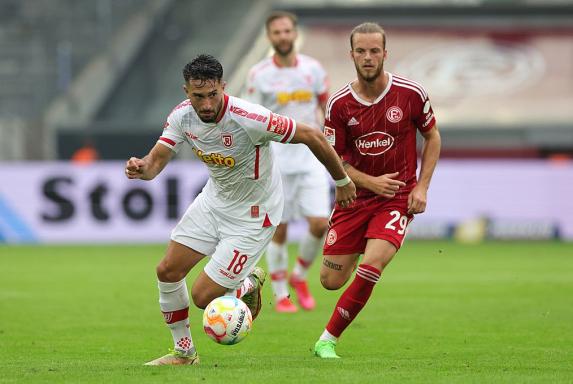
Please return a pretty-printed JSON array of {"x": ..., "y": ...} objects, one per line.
[
  {"x": 169, "y": 143},
  {"x": 151, "y": 165},
  {"x": 335, "y": 130},
  {"x": 385, "y": 185}
]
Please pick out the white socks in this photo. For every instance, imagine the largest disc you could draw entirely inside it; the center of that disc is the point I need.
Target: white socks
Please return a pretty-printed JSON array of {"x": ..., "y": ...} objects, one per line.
[
  {"x": 174, "y": 303},
  {"x": 308, "y": 249},
  {"x": 277, "y": 262},
  {"x": 246, "y": 286},
  {"x": 327, "y": 336}
]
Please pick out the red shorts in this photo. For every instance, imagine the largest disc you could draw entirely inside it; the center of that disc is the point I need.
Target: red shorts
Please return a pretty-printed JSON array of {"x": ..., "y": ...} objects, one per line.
[{"x": 375, "y": 218}]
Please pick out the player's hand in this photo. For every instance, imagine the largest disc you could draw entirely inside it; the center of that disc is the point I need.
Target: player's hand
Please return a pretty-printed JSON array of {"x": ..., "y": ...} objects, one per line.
[
  {"x": 345, "y": 195},
  {"x": 386, "y": 185},
  {"x": 134, "y": 168},
  {"x": 417, "y": 200}
]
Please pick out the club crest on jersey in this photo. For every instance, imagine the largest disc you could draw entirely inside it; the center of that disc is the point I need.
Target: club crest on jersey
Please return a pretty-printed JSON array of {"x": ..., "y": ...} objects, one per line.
[
  {"x": 394, "y": 114},
  {"x": 374, "y": 143},
  {"x": 227, "y": 139},
  {"x": 331, "y": 237},
  {"x": 330, "y": 135}
]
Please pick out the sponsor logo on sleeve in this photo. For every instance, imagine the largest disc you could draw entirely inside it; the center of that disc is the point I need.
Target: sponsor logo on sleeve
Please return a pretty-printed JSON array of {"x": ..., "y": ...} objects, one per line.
[
  {"x": 279, "y": 124},
  {"x": 394, "y": 114},
  {"x": 249, "y": 115},
  {"x": 426, "y": 106},
  {"x": 429, "y": 117},
  {"x": 374, "y": 143},
  {"x": 330, "y": 135}
]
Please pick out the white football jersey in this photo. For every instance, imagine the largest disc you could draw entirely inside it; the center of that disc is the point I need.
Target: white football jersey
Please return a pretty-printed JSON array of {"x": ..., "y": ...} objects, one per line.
[
  {"x": 295, "y": 92},
  {"x": 244, "y": 182}
]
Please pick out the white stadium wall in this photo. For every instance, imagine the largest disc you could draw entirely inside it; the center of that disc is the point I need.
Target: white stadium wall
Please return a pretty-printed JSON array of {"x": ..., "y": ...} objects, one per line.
[{"x": 60, "y": 202}]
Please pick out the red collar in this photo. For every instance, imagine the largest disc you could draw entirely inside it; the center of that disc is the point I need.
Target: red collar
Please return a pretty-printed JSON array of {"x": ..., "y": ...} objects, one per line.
[{"x": 224, "y": 109}]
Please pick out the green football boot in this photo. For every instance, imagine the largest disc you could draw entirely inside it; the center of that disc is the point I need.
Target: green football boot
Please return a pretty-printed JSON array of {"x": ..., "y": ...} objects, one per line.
[{"x": 325, "y": 349}]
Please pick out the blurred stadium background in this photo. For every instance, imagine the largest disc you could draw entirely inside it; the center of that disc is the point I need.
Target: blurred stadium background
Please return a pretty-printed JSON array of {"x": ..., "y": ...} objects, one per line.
[{"x": 103, "y": 75}]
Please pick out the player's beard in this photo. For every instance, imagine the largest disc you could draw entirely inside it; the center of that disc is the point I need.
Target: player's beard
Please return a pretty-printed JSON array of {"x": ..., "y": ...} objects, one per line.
[
  {"x": 284, "y": 49},
  {"x": 369, "y": 77},
  {"x": 212, "y": 117}
]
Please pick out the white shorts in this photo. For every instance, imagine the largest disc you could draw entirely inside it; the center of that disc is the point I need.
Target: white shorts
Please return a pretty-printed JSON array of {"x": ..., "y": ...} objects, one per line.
[
  {"x": 235, "y": 248},
  {"x": 306, "y": 195}
]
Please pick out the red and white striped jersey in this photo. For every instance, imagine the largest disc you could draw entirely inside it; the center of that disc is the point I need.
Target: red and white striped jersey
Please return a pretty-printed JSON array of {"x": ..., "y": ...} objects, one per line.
[
  {"x": 291, "y": 91},
  {"x": 380, "y": 137},
  {"x": 244, "y": 182}
]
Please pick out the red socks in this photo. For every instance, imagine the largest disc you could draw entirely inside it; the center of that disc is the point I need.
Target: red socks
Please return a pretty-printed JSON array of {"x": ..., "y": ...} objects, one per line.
[{"x": 353, "y": 299}]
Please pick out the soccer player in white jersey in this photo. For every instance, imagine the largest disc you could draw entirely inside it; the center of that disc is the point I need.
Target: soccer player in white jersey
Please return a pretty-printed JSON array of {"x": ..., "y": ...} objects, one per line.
[
  {"x": 294, "y": 85},
  {"x": 234, "y": 217}
]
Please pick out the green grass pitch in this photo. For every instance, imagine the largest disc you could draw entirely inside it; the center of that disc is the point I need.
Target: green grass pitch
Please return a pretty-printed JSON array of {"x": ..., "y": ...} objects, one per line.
[{"x": 442, "y": 313}]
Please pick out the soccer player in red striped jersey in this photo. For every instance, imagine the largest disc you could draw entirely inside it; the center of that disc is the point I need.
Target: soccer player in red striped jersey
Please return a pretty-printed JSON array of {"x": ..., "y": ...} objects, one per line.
[{"x": 372, "y": 124}]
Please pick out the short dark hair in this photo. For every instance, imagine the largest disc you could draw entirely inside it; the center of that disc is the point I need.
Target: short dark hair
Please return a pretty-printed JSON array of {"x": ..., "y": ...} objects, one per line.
[
  {"x": 368, "y": 28},
  {"x": 279, "y": 15},
  {"x": 204, "y": 68}
]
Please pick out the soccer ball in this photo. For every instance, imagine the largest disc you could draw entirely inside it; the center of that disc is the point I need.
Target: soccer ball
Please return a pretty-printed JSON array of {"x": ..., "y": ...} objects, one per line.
[{"x": 227, "y": 320}]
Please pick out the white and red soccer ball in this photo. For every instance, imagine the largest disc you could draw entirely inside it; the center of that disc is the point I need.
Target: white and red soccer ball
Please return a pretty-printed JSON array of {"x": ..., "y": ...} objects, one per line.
[{"x": 227, "y": 320}]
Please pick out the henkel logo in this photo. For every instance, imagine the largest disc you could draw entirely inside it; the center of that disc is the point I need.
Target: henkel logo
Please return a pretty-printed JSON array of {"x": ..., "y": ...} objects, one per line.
[{"x": 374, "y": 143}]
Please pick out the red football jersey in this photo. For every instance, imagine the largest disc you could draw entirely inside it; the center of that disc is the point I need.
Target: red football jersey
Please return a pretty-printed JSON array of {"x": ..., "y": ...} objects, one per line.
[{"x": 380, "y": 137}]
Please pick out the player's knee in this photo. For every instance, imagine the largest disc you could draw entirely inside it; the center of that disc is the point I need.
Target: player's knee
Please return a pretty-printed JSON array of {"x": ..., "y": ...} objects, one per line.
[
  {"x": 331, "y": 282},
  {"x": 318, "y": 227},
  {"x": 167, "y": 274},
  {"x": 200, "y": 298}
]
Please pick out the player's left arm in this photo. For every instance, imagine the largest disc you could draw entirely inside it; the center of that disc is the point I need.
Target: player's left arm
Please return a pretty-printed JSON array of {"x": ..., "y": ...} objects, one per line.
[
  {"x": 430, "y": 154},
  {"x": 323, "y": 151}
]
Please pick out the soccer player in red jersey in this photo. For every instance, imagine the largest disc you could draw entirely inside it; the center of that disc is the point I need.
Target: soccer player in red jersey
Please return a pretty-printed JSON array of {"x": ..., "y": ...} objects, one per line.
[{"x": 372, "y": 124}]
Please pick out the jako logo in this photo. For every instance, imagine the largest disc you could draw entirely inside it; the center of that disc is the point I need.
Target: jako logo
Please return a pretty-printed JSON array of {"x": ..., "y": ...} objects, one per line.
[
  {"x": 248, "y": 115},
  {"x": 374, "y": 143},
  {"x": 343, "y": 312}
]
